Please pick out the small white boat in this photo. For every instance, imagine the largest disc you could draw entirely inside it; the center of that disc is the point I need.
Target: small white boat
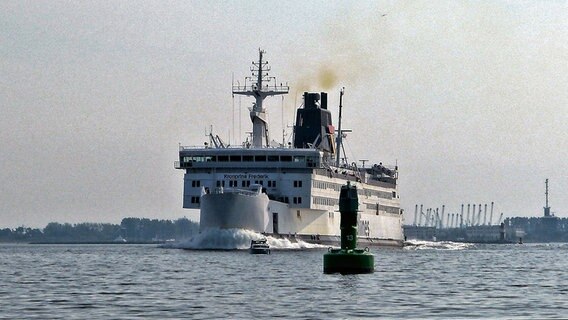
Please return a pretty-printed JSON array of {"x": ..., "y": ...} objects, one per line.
[{"x": 259, "y": 247}]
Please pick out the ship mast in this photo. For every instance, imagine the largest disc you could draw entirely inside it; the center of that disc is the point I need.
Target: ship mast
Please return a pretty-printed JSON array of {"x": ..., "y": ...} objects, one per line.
[
  {"x": 546, "y": 208},
  {"x": 339, "y": 133},
  {"x": 260, "y": 88}
]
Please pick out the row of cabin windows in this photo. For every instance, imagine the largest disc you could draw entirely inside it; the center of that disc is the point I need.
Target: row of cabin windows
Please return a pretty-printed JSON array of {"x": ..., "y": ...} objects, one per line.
[
  {"x": 249, "y": 158},
  {"x": 244, "y": 183},
  {"x": 233, "y": 183},
  {"x": 325, "y": 201},
  {"x": 326, "y": 185},
  {"x": 366, "y": 192},
  {"x": 376, "y": 207},
  {"x": 378, "y": 194},
  {"x": 295, "y": 200}
]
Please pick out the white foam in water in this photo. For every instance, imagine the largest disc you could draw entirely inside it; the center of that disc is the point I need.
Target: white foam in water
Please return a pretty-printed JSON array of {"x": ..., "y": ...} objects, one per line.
[
  {"x": 231, "y": 239},
  {"x": 436, "y": 245}
]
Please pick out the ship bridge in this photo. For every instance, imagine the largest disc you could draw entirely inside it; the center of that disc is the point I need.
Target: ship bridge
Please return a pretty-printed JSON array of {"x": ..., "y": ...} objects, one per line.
[{"x": 257, "y": 158}]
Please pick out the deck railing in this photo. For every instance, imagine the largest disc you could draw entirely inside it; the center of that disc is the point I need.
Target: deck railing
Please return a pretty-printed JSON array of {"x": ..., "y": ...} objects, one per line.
[{"x": 183, "y": 148}]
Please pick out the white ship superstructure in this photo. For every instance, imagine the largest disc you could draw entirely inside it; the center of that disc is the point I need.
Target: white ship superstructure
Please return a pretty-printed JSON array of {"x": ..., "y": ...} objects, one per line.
[{"x": 288, "y": 190}]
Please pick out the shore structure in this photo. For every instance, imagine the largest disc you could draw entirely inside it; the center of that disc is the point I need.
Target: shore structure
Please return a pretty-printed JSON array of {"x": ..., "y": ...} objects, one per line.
[{"x": 474, "y": 224}]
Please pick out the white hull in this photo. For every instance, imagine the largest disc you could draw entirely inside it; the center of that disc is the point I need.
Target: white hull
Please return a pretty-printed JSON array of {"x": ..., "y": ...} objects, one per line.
[
  {"x": 258, "y": 213},
  {"x": 234, "y": 210}
]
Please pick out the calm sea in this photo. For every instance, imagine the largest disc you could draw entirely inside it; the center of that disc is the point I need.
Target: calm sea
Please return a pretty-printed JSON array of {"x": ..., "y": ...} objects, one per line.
[{"x": 430, "y": 280}]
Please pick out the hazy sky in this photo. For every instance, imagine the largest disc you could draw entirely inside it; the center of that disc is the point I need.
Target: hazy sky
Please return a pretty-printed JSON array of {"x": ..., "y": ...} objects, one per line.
[{"x": 469, "y": 98}]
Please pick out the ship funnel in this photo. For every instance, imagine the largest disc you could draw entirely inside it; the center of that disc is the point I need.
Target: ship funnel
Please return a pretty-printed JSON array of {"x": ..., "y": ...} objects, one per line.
[
  {"x": 311, "y": 100},
  {"x": 313, "y": 127}
]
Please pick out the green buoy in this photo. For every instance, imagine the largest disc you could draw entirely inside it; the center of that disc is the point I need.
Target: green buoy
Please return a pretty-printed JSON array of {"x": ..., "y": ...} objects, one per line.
[{"x": 348, "y": 259}]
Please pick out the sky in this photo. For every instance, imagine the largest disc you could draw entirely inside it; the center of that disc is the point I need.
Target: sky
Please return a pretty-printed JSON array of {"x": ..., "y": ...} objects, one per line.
[{"x": 468, "y": 98}]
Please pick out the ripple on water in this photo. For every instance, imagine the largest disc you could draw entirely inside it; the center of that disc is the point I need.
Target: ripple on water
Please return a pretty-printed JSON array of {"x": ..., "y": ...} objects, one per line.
[{"x": 137, "y": 281}]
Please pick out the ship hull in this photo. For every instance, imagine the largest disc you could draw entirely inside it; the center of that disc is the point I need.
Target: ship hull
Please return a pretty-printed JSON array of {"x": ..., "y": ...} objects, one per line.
[
  {"x": 258, "y": 213},
  {"x": 234, "y": 210}
]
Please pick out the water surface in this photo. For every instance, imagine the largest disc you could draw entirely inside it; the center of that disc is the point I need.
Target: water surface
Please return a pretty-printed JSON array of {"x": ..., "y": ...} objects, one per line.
[{"x": 144, "y": 281}]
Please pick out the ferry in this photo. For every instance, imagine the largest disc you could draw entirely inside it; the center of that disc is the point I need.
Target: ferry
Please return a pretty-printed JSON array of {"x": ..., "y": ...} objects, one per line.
[{"x": 289, "y": 190}]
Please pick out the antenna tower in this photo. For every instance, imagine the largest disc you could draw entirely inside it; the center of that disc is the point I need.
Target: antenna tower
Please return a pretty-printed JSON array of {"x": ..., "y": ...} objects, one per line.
[{"x": 260, "y": 85}]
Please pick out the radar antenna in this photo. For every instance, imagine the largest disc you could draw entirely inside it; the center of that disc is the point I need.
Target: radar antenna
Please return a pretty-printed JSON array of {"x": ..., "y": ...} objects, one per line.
[{"x": 260, "y": 85}]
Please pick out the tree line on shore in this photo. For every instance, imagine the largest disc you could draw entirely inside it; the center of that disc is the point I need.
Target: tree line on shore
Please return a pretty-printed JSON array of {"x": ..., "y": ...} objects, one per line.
[{"x": 129, "y": 230}]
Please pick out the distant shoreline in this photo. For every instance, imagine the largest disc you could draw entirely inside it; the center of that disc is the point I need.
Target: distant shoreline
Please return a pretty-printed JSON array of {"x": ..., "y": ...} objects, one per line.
[
  {"x": 129, "y": 231},
  {"x": 95, "y": 242},
  {"x": 82, "y": 242}
]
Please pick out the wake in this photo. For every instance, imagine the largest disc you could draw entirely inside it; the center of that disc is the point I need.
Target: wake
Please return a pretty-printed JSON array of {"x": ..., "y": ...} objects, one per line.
[
  {"x": 436, "y": 245},
  {"x": 237, "y": 239}
]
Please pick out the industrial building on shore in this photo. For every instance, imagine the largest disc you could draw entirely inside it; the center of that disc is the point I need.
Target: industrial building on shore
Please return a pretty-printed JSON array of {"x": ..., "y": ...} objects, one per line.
[{"x": 473, "y": 225}]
